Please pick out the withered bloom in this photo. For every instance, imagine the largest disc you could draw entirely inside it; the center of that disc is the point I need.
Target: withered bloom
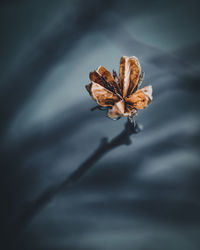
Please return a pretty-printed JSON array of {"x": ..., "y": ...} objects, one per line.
[{"x": 120, "y": 94}]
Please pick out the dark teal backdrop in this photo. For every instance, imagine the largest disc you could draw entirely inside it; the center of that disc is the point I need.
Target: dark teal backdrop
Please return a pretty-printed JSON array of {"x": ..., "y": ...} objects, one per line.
[{"x": 142, "y": 196}]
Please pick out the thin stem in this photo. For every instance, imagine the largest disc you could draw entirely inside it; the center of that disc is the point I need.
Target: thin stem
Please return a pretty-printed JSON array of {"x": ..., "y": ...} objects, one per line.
[{"x": 105, "y": 146}]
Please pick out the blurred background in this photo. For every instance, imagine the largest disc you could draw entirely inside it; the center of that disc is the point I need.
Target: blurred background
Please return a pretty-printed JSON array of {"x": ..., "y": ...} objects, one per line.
[{"x": 143, "y": 196}]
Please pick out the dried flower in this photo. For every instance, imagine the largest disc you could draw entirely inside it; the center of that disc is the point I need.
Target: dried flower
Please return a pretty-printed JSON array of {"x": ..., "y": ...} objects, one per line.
[{"x": 120, "y": 94}]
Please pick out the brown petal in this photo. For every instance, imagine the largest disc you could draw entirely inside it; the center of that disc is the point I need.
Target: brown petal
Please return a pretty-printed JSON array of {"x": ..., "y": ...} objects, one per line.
[
  {"x": 88, "y": 87},
  {"x": 101, "y": 95},
  {"x": 116, "y": 78},
  {"x": 140, "y": 99},
  {"x": 107, "y": 76},
  {"x": 117, "y": 110},
  {"x": 96, "y": 78},
  {"x": 129, "y": 74}
]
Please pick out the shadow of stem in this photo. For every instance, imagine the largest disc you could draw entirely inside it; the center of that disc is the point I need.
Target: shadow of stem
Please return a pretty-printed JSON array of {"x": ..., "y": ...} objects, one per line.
[{"x": 105, "y": 146}]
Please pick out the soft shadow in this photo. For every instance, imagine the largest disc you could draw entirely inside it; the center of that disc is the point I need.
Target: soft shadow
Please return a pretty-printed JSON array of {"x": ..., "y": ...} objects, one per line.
[{"x": 105, "y": 146}]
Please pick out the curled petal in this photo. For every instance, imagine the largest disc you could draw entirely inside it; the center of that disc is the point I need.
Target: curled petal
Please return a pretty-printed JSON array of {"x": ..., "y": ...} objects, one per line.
[
  {"x": 95, "y": 77},
  {"x": 140, "y": 99},
  {"x": 107, "y": 76},
  {"x": 129, "y": 74},
  {"x": 101, "y": 95},
  {"x": 117, "y": 110}
]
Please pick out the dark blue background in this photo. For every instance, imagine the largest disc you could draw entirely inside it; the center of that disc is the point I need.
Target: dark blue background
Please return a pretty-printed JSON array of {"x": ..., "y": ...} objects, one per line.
[{"x": 144, "y": 196}]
